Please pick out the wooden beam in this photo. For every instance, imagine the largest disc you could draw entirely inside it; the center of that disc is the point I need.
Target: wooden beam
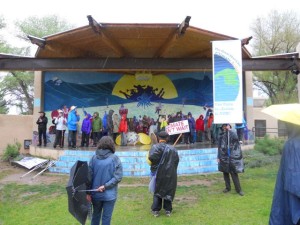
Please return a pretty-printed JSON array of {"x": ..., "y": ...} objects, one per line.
[
  {"x": 172, "y": 37},
  {"x": 136, "y": 64},
  {"x": 246, "y": 41},
  {"x": 37, "y": 41},
  {"x": 184, "y": 25},
  {"x": 108, "y": 40}
]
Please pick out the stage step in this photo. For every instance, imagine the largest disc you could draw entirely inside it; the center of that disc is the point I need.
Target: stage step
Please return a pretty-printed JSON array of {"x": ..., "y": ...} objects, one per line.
[{"x": 193, "y": 161}]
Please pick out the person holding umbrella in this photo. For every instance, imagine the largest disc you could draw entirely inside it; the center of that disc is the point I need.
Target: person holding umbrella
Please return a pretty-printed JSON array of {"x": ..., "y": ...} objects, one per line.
[
  {"x": 105, "y": 172},
  {"x": 230, "y": 158}
]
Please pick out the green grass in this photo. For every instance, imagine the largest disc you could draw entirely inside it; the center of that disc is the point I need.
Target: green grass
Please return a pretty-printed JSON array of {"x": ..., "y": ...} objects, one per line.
[{"x": 195, "y": 203}]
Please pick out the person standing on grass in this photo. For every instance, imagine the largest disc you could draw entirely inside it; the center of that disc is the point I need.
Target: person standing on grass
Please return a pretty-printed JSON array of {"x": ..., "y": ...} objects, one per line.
[
  {"x": 286, "y": 199},
  {"x": 230, "y": 158},
  {"x": 105, "y": 172},
  {"x": 164, "y": 162}
]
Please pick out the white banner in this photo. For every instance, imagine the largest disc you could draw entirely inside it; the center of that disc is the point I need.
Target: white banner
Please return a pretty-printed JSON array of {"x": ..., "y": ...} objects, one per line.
[
  {"x": 178, "y": 127},
  {"x": 30, "y": 162},
  {"x": 227, "y": 81}
]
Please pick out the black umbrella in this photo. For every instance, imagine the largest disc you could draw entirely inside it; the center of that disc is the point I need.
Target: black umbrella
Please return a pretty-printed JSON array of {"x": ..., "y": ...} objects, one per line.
[{"x": 76, "y": 189}]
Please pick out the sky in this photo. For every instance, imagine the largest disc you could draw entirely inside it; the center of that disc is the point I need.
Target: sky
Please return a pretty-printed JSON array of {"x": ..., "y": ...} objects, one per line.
[{"x": 232, "y": 17}]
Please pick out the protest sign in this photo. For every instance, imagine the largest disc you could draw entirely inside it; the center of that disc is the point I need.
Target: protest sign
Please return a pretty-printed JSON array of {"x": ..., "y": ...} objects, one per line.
[{"x": 178, "y": 127}]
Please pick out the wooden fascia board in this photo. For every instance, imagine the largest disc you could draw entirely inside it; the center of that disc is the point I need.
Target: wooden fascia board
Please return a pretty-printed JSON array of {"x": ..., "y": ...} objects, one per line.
[{"x": 135, "y": 64}]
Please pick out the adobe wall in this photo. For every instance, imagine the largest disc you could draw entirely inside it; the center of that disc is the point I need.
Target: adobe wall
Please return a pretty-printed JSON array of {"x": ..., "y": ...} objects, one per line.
[{"x": 15, "y": 128}]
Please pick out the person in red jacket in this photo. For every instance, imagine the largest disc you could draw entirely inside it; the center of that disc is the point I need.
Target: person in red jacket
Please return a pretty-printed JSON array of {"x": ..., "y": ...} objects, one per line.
[
  {"x": 208, "y": 128},
  {"x": 200, "y": 128}
]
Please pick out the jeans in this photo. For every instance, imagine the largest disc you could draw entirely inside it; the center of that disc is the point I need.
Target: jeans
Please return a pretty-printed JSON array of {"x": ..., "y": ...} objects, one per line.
[{"x": 104, "y": 209}]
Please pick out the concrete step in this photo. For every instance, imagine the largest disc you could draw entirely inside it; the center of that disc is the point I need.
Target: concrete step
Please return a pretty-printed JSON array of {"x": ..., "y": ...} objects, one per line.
[{"x": 193, "y": 161}]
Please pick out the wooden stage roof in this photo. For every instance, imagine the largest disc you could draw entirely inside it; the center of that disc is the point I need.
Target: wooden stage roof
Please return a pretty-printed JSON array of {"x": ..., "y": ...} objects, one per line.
[{"x": 156, "y": 48}]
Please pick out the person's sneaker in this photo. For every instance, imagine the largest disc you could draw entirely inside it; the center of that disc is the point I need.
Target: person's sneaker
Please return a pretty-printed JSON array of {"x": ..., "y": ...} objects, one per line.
[
  {"x": 226, "y": 190},
  {"x": 241, "y": 142},
  {"x": 241, "y": 193},
  {"x": 155, "y": 213},
  {"x": 168, "y": 213}
]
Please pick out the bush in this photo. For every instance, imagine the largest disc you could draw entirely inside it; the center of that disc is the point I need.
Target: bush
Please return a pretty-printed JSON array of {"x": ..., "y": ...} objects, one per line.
[
  {"x": 269, "y": 146},
  {"x": 11, "y": 151},
  {"x": 253, "y": 158}
]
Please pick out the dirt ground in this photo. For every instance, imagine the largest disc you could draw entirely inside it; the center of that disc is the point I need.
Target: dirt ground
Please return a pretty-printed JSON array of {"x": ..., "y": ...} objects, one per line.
[{"x": 15, "y": 174}]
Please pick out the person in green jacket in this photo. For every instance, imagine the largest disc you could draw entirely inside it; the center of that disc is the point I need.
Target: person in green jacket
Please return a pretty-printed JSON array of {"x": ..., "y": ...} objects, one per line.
[{"x": 96, "y": 128}]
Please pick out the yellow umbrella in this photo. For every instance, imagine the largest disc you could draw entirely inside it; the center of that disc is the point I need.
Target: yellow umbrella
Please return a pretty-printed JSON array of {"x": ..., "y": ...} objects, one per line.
[{"x": 286, "y": 112}]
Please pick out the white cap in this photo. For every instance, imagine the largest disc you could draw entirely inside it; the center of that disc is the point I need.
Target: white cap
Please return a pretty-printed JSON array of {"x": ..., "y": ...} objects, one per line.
[{"x": 73, "y": 107}]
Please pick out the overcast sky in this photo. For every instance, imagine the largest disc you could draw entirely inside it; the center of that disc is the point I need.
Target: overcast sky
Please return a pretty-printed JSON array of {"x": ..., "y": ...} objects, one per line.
[{"x": 231, "y": 17}]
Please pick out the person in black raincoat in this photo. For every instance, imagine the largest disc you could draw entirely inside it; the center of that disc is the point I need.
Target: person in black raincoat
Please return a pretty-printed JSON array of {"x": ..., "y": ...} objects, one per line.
[
  {"x": 164, "y": 162},
  {"x": 230, "y": 158},
  {"x": 286, "y": 199},
  {"x": 42, "y": 128}
]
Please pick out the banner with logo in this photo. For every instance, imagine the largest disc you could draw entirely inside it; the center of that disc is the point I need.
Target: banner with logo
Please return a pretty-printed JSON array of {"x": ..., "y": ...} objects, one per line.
[{"x": 227, "y": 81}]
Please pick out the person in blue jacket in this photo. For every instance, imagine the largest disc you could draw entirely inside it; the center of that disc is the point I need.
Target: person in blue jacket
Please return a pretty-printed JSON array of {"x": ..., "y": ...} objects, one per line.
[
  {"x": 285, "y": 208},
  {"x": 86, "y": 128},
  {"x": 105, "y": 172},
  {"x": 73, "y": 120}
]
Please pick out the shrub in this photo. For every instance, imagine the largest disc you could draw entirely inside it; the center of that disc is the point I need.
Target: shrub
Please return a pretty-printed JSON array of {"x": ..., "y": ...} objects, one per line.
[
  {"x": 11, "y": 151},
  {"x": 269, "y": 146},
  {"x": 253, "y": 158}
]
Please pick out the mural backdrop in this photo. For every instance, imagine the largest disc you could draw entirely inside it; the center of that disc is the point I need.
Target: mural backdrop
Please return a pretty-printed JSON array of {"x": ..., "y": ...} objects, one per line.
[{"x": 142, "y": 93}]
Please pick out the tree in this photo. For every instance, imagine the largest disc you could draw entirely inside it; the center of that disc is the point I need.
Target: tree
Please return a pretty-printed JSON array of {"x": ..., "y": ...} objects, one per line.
[
  {"x": 277, "y": 33},
  {"x": 18, "y": 86}
]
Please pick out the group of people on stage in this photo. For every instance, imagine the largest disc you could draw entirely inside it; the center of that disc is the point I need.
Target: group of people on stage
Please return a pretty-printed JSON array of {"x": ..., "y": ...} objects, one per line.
[{"x": 93, "y": 127}]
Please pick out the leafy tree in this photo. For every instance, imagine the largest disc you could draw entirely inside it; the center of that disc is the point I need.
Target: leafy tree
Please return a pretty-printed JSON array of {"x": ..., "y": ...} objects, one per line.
[
  {"x": 41, "y": 26},
  {"x": 18, "y": 86},
  {"x": 277, "y": 33}
]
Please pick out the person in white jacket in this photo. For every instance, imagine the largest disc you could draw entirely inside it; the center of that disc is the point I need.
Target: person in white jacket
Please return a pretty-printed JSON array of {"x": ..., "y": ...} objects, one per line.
[{"x": 60, "y": 123}]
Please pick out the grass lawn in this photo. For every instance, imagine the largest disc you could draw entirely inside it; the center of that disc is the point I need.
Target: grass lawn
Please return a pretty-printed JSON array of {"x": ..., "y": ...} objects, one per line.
[{"x": 199, "y": 200}]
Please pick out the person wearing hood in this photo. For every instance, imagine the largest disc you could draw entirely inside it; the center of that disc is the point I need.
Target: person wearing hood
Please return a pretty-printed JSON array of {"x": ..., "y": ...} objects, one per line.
[
  {"x": 164, "y": 160},
  {"x": 60, "y": 123},
  {"x": 286, "y": 199},
  {"x": 110, "y": 123},
  {"x": 200, "y": 128},
  {"x": 96, "y": 128},
  {"x": 230, "y": 158},
  {"x": 73, "y": 120},
  {"x": 105, "y": 172},
  {"x": 86, "y": 130}
]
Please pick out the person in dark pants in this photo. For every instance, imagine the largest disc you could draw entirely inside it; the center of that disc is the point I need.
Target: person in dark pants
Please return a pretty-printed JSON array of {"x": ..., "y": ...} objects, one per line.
[
  {"x": 73, "y": 120},
  {"x": 42, "y": 128},
  {"x": 86, "y": 130},
  {"x": 164, "y": 162},
  {"x": 60, "y": 123},
  {"x": 230, "y": 158},
  {"x": 105, "y": 172}
]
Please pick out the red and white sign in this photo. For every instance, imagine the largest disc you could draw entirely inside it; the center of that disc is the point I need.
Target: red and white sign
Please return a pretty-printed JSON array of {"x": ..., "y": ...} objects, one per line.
[{"x": 178, "y": 127}]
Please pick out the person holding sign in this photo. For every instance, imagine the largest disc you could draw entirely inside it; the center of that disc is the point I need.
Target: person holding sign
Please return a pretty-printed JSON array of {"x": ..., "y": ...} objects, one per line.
[
  {"x": 164, "y": 162},
  {"x": 230, "y": 158}
]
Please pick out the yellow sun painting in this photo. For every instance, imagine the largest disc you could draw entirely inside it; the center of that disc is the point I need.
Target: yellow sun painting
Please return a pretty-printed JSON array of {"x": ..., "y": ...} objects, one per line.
[{"x": 159, "y": 85}]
